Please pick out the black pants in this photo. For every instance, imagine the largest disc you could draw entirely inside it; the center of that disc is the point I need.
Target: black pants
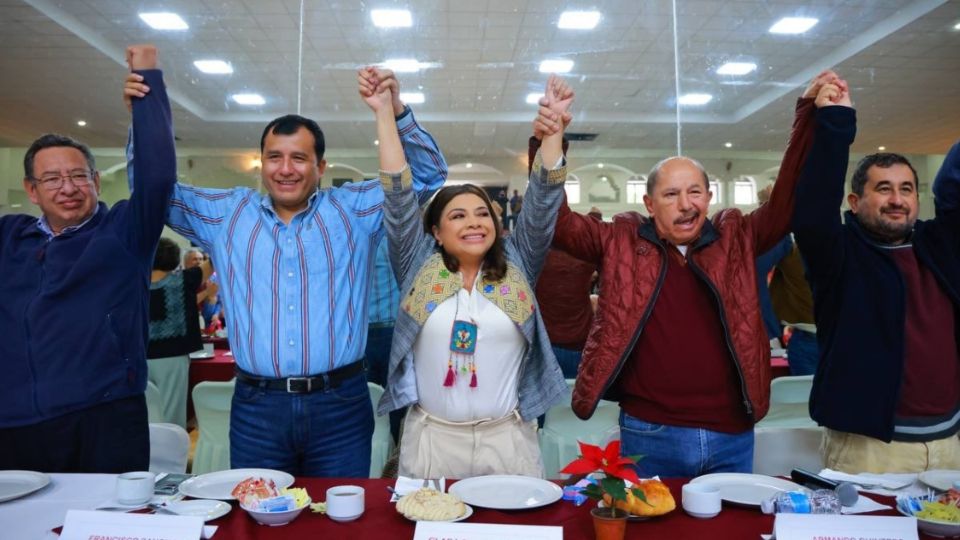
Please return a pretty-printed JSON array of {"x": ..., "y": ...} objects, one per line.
[{"x": 111, "y": 437}]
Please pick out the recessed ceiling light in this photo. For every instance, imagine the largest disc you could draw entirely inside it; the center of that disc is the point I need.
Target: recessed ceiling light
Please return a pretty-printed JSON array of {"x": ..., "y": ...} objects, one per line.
[
  {"x": 164, "y": 21},
  {"x": 736, "y": 68},
  {"x": 402, "y": 65},
  {"x": 249, "y": 99},
  {"x": 728, "y": 144},
  {"x": 213, "y": 67},
  {"x": 534, "y": 99},
  {"x": 956, "y": 26},
  {"x": 412, "y": 97},
  {"x": 579, "y": 20},
  {"x": 695, "y": 99},
  {"x": 391, "y": 18},
  {"x": 81, "y": 123},
  {"x": 792, "y": 25},
  {"x": 469, "y": 165},
  {"x": 599, "y": 165},
  {"x": 376, "y": 142},
  {"x": 556, "y": 66},
  {"x": 881, "y": 148}
]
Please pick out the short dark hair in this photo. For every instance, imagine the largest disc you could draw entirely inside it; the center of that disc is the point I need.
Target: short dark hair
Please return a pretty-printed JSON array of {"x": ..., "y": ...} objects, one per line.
[
  {"x": 167, "y": 257},
  {"x": 655, "y": 172},
  {"x": 290, "y": 124},
  {"x": 884, "y": 160},
  {"x": 53, "y": 140},
  {"x": 495, "y": 261}
]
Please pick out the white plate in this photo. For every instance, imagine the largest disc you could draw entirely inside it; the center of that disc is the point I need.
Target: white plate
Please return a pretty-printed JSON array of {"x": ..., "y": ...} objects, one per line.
[
  {"x": 506, "y": 492},
  {"x": 218, "y": 485},
  {"x": 16, "y": 484},
  {"x": 746, "y": 489},
  {"x": 940, "y": 479},
  {"x": 207, "y": 509},
  {"x": 467, "y": 513},
  {"x": 201, "y": 355}
]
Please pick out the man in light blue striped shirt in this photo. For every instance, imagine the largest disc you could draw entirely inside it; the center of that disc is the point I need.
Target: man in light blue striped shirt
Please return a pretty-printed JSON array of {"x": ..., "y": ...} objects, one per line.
[{"x": 294, "y": 270}]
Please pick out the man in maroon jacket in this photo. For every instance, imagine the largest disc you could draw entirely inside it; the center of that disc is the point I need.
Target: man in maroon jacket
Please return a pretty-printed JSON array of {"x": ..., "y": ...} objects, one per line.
[{"x": 678, "y": 338}]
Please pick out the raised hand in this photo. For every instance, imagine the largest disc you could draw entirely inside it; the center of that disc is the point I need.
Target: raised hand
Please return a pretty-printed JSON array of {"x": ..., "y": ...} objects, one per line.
[
  {"x": 142, "y": 56},
  {"x": 553, "y": 113},
  {"x": 826, "y": 76},
  {"x": 376, "y": 93},
  {"x": 831, "y": 94},
  {"x": 384, "y": 75},
  {"x": 133, "y": 87}
]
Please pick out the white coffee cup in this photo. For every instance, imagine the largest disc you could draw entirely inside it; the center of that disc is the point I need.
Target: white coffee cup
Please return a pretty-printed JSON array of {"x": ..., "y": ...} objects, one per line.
[
  {"x": 345, "y": 503},
  {"x": 135, "y": 487},
  {"x": 701, "y": 500},
  {"x": 208, "y": 349}
]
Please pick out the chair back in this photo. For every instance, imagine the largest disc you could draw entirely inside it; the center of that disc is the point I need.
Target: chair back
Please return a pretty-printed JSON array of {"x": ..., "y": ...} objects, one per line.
[
  {"x": 211, "y": 401},
  {"x": 562, "y": 429},
  {"x": 778, "y": 450},
  {"x": 169, "y": 445},
  {"x": 794, "y": 389}
]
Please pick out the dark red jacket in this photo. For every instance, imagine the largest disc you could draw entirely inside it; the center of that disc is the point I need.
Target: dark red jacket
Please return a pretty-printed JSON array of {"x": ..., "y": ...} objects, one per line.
[{"x": 632, "y": 260}]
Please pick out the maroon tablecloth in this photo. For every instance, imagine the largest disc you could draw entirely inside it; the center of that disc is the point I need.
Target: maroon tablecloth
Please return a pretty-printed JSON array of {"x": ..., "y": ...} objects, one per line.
[
  {"x": 779, "y": 367},
  {"x": 381, "y": 520}
]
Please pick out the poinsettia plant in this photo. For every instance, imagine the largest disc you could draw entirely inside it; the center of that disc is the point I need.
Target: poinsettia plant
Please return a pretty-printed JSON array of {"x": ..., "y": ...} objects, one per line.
[{"x": 616, "y": 470}]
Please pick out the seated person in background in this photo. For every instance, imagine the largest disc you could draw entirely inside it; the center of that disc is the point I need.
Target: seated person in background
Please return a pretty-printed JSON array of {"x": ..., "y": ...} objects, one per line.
[
  {"x": 885, "y": 286},
  {"x": 677, "y": 338},
  {"x": 792, "y": 301},
  {"x": 470, "y": 354},
  {"x": 74, "y": 314},
  {"x": 174, "y": 332}
]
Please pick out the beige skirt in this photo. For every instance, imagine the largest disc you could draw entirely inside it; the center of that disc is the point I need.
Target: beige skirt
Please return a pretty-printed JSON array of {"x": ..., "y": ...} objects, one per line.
[{"x": 431, "y": 447}]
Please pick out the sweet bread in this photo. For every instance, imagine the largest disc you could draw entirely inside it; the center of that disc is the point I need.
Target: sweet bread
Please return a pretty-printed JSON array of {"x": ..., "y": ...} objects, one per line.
[
  {"x": 430, "y": 505},
  {"x": 659, "y": 499}
]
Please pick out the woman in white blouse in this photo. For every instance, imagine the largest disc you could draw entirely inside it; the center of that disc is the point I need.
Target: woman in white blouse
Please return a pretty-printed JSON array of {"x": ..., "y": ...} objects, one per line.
[{"x": 470, "y": 354}]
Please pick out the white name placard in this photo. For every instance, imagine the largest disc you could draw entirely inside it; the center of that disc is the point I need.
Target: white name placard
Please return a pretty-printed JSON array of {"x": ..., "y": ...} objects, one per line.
[
  {"x": 92, "y": 525},
  {"x": 840, "y": 527},
  {"x": 432, "y": 530}
]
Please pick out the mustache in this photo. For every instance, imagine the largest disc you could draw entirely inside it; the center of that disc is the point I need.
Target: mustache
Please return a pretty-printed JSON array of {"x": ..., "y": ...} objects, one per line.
[
  {"x": 693, "y": 214},
  {"x": 895, "y": 208}
]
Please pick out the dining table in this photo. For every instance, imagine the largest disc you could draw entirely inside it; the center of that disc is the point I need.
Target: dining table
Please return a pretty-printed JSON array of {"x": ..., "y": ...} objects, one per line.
[{"x": 35, "y": 516}]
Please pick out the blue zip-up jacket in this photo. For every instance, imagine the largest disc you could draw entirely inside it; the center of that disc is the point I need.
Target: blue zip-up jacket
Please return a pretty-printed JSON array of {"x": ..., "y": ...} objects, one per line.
[
  {"x": 73, "y": 309},
  {"x": 859, "y": 303}
]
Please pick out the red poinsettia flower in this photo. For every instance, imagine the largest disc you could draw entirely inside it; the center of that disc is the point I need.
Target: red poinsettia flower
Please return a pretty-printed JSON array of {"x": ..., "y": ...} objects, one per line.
[{"x": 608, "y": 460}]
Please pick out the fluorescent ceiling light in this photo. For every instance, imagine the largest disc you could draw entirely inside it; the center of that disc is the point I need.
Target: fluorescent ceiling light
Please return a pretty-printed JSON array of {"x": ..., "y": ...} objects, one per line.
[
  {"x": 391, "y": 18},
  {"x": 728, "y": 144},
  {"x": 403, "y": 65},
  {"x": 792, "y": 25},
  {"x": 956, "y": 26},
  {"x": 412, "y": 97},
  {"x": 213, "y": 67},
  {"x": 736, "y": 68},
  {"x": 556, "y": 66},
  {"x": 469, "y": 165},
  {"x": 164, "y": 21},
  {"x": 579, "y": 20},
  {"x": 81, "y": 123},
  {"x": 534, "y": 99},
  {"x": 249, "y": 99},
  {"x": 695, "y": 99}
]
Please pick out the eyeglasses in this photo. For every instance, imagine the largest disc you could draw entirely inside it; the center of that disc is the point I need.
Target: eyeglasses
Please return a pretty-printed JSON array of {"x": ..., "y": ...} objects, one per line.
[{"x": 54, "y": 181}]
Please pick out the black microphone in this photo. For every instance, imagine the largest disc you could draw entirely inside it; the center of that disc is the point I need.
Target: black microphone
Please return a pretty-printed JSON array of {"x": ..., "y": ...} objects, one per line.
[{"x": 846, "y": 492}]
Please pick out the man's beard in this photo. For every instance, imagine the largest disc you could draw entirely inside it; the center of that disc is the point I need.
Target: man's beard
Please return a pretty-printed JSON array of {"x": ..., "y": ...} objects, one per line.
[{"x": 885, "y": 231}]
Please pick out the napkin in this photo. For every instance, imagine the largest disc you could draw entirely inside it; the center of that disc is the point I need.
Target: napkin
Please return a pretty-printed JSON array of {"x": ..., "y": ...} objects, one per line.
[
  {"x": 864, "y": 504},
  {"x": 879, "y": 484},
  {"x": 406, "y": 485}
]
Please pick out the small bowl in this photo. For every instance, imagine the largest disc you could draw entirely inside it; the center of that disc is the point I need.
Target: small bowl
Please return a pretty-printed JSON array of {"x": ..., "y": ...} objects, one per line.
[
  {"x": 933, "y": 527},
  {"x": 275, "y": 519}
]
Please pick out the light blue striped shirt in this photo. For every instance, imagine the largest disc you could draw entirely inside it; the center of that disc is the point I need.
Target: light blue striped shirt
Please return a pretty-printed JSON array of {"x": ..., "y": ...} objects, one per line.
[{"x": 295, "y": 296}]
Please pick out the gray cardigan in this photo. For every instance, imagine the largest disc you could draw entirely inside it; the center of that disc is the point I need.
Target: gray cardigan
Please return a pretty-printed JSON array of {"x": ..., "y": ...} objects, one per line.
[{"x": 414, "y": 254}]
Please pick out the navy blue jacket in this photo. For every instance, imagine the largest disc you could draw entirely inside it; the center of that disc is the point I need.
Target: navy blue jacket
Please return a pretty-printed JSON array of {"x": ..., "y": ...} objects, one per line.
[
  {"x": 859, "y": 303},
  {"x": 73, "y": 309}
]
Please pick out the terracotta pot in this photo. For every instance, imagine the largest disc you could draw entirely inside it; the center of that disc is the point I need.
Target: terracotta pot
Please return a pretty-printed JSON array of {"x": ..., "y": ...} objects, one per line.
[{"x": 607, "y": 526}]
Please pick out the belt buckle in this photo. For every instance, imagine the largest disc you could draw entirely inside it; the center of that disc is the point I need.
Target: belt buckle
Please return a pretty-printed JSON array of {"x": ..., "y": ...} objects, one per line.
[{"x": 307, "y": 380}]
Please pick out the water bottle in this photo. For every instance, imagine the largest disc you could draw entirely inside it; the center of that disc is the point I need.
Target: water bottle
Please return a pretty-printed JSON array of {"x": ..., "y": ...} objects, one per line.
[{"x": 821, "y": 501}]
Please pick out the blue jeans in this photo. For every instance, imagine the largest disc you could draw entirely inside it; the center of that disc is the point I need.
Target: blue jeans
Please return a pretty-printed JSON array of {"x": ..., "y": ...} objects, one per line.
[
  {"x": 569, "y": 360},
  {"x": 322, "y": 433},
  {"x": 682, "y": 452},
  {"x": 803, "y": 353}
]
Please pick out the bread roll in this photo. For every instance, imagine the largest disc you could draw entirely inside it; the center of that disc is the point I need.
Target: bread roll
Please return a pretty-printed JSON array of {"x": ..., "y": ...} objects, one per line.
[
  {"x": 659, "y": 499},
  {"x": 430, "y": 505}
]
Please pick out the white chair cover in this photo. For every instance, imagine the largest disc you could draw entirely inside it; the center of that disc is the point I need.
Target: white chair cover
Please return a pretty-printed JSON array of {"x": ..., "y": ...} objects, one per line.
[
  {"x": 562, "y": 429},
  {"x": 789, "y": 403},
  {"x": 211, "y": 401},
  {"x": 169, "y": 444},
  {"x": 777, "y": 450},
  {"x": 154, "y": 403}
]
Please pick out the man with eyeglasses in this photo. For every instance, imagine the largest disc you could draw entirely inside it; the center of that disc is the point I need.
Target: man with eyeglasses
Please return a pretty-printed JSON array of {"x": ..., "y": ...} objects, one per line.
[{"x": 74, "y": 314}]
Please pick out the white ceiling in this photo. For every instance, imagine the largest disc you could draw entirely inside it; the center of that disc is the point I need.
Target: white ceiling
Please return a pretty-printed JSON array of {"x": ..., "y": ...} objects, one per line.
[{"x": 62, "y": 61}]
